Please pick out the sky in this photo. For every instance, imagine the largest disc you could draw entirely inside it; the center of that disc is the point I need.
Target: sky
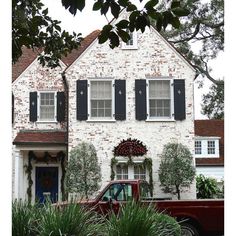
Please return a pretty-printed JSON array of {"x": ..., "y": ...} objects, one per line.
[{"x": 89, "y": 20}]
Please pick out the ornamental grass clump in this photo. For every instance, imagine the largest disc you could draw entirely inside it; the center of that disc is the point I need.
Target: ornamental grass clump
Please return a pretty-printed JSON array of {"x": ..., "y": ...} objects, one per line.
[
  {"x": 25, "y": 218},
  {"x": 71, "y": 220},
  {"x": 135, "y": 219}
]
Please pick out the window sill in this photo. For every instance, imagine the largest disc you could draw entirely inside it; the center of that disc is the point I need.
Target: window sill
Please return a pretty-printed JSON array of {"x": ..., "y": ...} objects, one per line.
[
  {"x": 129, "y": 48},
  {"x": 160, "y": 120},
  {"x": 46, "y": 121},
  {"x": 100, "y": 121},
  {"x": 206, "y": 157}
]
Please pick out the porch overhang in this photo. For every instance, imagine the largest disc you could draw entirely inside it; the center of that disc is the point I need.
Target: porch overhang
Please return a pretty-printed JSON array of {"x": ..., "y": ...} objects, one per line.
[{"x": 41, "y": 138}]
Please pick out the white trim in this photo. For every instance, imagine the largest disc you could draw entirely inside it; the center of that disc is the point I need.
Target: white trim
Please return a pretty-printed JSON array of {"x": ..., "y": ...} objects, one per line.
[
  {"x": 206, "y": 138},
  {"x": 171, "y": 118},
  {"x": 204, "y": 148}
]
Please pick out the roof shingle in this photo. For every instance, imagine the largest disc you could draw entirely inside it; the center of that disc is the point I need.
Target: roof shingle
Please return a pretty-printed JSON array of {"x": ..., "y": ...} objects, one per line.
[{"x": 40, "y": 137}]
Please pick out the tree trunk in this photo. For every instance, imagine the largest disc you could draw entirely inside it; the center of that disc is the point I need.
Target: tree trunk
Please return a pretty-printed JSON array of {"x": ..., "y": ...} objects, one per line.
[{"x": 178, "y": 191}]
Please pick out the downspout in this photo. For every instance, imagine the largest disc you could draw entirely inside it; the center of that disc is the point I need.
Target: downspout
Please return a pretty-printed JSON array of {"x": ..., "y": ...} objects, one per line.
[{"x": 67, "y": 125}]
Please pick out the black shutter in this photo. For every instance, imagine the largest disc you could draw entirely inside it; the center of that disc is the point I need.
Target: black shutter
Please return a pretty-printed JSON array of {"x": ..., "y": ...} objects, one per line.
[
  {"x": 60, "y": 106},
  {"x": 179, "y": 99},
  {"x": 12, "y": 108},
  {"x": 82, "y": 99},
  {"x": 140, "y": 99},
  {"x": 33, "y": 106},
  {"x": 120, "y": 100}
]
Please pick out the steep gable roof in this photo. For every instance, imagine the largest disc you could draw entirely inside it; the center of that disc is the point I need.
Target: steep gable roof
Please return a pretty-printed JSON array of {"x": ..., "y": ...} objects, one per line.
[
  {"x": 70, "y": 58},
  {"x": 29, "y": 55}
]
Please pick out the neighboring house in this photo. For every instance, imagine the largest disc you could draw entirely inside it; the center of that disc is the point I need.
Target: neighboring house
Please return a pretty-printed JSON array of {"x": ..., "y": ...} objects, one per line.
[
  {"x": 209, "y": 148},
  {"x": 139, "y": 93}
]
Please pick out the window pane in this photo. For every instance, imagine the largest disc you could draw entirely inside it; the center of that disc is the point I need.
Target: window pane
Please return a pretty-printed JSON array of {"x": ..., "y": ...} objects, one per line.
[
  {"x": 211, "y": 147},
  {"x": 131, "y": 41},
  {"x": 139, "y": 172},
  {"x": 121, "y": 172},
  {"x": 159, "y": 89},
  {"x": 198, "y": 147},
  {"x": 101, "y": 90}
]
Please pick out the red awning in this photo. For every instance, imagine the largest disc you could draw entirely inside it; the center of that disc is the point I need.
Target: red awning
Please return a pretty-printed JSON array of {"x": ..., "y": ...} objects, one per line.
[{"x": 40, "y": 137}]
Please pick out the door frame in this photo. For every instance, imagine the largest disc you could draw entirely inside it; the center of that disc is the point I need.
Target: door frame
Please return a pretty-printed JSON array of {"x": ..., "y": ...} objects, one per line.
[{"x": 34, "y": 177}]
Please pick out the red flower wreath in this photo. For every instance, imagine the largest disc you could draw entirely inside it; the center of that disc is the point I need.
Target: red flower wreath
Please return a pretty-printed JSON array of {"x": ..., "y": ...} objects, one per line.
[{"x": 130, "y": 147}]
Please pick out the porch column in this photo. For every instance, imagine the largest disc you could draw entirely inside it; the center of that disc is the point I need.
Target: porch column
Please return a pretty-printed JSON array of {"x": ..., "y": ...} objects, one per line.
[{"x": 18, "y": 175}]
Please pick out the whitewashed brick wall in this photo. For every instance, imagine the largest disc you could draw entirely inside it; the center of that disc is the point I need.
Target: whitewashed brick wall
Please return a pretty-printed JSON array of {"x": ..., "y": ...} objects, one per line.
[
  {"x": 35, "y": 78},
  {"x": 154, "y": 58}
]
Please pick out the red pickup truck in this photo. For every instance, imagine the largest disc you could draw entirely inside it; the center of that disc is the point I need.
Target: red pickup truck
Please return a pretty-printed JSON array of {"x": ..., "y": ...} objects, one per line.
[{"x": 197, "y": 217}]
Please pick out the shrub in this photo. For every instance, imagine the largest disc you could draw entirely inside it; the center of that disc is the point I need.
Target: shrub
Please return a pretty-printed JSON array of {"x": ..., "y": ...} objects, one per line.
[
  {"x": 71, "y": 220},
  {"x": 207, "y": 187},
  {"x": 25, "y": 218},
  {"x": 134, "y": 219},
  {"x": 176, "y": 169},
  {"x": 83, "y": 171}
]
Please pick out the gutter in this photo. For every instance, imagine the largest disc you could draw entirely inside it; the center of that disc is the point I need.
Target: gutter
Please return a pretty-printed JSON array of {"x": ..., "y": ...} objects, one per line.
[{"x": 67, "y": 110}]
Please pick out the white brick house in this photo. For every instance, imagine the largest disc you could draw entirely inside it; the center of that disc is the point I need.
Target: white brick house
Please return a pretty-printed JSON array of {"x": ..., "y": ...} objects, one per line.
[{"x": 142, "y": 91}]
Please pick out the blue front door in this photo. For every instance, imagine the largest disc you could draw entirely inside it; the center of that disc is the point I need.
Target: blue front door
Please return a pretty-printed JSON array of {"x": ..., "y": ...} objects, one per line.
[{"x": 46, "y": 184}]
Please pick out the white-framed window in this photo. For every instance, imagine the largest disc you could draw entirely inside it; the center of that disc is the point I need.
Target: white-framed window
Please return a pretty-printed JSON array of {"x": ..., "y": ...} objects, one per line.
[
  {"x": 132, "y": 43},
  {"x": 47, "y": 106},
  {"x": 135, "y": 171},
  {"x": 160, "y": 99},
  {"x": 101, "y": 100},
  {"x": 207, "y": 147}
]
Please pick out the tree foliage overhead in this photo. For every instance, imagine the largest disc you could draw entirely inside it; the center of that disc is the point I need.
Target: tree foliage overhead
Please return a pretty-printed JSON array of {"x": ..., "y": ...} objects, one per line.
[
  {"x": 33, "y": 28},
  {"x": 176, "y": 169},
  {"x": 213, "y": 102},
  {"x": 138, "y": 20},
  {"x": 83, "y": 171},
  {"x": 204, "y": 27},
  {"x": 182, "y": 22}
]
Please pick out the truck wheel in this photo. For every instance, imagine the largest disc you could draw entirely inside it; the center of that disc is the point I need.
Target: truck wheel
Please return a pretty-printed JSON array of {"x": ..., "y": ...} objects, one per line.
[{"x": 188, "y": 230}]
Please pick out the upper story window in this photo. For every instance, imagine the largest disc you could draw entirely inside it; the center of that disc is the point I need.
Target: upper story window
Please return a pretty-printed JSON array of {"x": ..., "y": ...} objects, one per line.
[
  {"x": 207, "y": 147},
  {"x": 132, "y": 43},
  {"x": 160, "y": 99},
  {"x": 101, "y": 100},
  {"x": 47, "y": 108}
]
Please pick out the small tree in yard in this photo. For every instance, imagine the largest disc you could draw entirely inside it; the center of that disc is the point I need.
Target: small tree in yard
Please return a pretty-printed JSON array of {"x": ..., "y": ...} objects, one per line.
[
  {"x": 83, "y": 172},
  {"x": 176, "y": 169}
]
